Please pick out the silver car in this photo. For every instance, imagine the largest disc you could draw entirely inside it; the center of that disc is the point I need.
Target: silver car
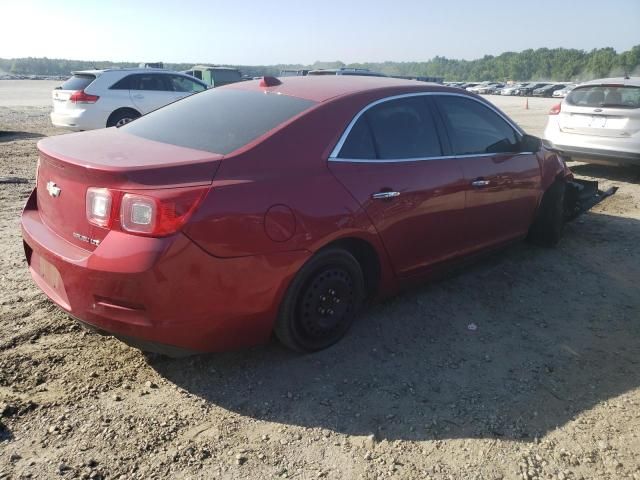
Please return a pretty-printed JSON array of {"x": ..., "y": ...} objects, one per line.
[
  {"x": 563, "y": 92},
  {"x": 512, "y": 89},
  {"x": 598, "y": 122}
]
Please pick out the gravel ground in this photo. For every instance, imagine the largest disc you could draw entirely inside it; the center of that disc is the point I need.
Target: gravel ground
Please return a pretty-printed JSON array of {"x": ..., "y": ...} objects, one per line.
[{"x": 547, "y": 387}]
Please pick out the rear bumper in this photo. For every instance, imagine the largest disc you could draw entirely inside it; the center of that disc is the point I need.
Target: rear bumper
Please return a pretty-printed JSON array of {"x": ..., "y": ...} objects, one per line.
[
  {"x": 77, "y": 120},
  {"x": 160, "y": 291},
  {"x": 594, "y": 155}
]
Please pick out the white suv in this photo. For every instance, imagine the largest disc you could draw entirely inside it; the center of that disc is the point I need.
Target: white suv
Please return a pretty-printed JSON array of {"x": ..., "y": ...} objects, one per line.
[
  {"x": 106, "y": 98},
  {"x": 598, "y": 122}
]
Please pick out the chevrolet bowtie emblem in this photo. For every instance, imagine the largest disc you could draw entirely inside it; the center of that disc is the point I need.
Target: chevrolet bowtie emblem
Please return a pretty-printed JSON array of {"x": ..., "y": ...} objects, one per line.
[{"x": 53, "y": 189}]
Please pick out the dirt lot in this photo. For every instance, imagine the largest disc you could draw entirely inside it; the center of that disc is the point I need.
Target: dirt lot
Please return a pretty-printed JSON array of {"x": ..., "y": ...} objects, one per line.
[{"x": 548, "y": 386}]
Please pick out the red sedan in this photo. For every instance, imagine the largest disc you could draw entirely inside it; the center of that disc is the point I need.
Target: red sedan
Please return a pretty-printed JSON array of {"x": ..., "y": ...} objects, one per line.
[{"x": 279, "y": 206}]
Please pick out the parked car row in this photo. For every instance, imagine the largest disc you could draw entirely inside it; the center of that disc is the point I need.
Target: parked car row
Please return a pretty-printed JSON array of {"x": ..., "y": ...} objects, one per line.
[{"x": 536, "y": 89}]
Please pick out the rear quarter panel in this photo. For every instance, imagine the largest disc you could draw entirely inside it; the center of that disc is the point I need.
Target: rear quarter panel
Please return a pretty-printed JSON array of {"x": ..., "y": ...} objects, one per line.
[{"x": 288, "y": 169}]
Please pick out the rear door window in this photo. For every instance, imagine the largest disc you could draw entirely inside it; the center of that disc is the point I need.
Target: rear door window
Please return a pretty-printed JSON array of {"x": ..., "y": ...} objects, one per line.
[
  {"x": 613, "y": 96},
  {"x": 359, "y": 143},
  {"x": 474, "y": 128},
  {"x": 218, "y": 121},
  {"x": 404, "y": 129},
  {"x": 124, "y": 83},
  {"x": 150, "y": 82},
  {"x": 78, "y": 81},
  {"x": 396, "y": 129}
]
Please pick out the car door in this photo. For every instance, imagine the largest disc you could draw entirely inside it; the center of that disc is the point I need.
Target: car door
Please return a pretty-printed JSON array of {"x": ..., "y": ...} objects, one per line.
[
  {"x": 150, "y": 91},
  {"x": 502, "y": 183},
  {"x": 391, "y": 160}
]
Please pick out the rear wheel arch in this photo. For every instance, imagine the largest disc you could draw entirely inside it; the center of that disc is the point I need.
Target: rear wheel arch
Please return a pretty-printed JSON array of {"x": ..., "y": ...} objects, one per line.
[
  {"x": 119, "y": 113},
  {"x": 366, "y": 255},
  {"x": 322, "y": 300}
]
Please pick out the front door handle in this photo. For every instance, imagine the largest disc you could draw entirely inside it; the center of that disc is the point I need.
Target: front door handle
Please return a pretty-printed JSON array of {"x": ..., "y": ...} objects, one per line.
[
  {"x": 480, "y": 183},
  {"x": 384, "y": 195}
]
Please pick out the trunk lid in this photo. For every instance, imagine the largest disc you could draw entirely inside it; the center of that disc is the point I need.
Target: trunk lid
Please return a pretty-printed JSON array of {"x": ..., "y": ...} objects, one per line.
[{"x": 108, "y": 158}]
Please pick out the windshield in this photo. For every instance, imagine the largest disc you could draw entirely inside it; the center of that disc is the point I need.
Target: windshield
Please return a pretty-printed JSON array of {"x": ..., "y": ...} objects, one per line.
[
  {"x": 618, "y": 96},
  {"x": 218, "y": 120}
]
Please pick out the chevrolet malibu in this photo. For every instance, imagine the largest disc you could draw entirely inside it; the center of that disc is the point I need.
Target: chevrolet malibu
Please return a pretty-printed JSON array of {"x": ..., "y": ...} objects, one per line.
[{"x": 279, "y": 206}]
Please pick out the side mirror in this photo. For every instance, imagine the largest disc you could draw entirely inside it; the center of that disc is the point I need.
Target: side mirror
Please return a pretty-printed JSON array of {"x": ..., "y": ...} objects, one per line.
[{"x": 529, "y": 143}]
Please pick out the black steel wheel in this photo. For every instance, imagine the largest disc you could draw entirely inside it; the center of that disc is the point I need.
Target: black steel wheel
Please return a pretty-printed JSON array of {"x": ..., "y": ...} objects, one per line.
[{"x": 321, "y": 302}]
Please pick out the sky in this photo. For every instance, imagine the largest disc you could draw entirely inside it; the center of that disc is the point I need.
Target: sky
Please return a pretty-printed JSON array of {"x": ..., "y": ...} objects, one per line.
[{"x": 250, "y": 32}]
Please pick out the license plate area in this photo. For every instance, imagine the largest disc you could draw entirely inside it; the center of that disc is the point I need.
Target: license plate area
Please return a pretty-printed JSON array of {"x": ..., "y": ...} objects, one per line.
[
  {"x": 588, "y": 121},
  {"x": 48, "y": 278},
  {"x": 49, "y": 274}
]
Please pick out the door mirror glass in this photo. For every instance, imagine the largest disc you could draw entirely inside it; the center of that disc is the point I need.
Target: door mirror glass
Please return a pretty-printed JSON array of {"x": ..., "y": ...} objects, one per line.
[{"x": 529, "y": 143}]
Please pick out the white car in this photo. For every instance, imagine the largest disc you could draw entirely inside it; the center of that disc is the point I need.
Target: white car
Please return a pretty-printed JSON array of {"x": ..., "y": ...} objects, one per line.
[
  {"x": 598, "y": 122},
  {"x": 105, "y": 98}
]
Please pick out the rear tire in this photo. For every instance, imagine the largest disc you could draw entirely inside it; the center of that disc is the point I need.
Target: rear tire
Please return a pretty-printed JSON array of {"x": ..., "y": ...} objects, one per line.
[
  {"x": 122, "y": 117},
  {"x": 548, "y": 225},
  {"x": 321, "y": 302}
]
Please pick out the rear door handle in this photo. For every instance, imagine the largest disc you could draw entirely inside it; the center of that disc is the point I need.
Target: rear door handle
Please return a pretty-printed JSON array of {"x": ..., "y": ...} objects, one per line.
[
  {"x": 385, "y": 195},
  {"x": 480, "y": 183},
  {"x": 137, "y": 95}
]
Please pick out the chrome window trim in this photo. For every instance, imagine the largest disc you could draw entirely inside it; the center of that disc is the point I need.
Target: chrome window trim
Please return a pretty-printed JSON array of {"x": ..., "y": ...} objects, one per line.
[
  {"x": 333, "y": 156},
  {"x": 425, "y": 159}
]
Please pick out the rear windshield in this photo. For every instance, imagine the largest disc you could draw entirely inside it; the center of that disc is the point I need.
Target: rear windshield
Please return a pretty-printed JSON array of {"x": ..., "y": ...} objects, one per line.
[
  {"x": 218, "y": 121},
  {"x": 78, "y": 82},
  {"x": 616, "y": 96}
]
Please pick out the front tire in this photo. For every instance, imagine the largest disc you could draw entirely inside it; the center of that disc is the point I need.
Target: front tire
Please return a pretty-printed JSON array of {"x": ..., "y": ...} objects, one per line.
[
  {"x": 321, "y": 302},
  {"x": 548, "y": 225}
]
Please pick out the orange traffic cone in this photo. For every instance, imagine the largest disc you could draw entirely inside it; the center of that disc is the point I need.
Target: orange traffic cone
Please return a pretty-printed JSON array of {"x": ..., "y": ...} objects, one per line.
[{"x": 526, "y": 104}]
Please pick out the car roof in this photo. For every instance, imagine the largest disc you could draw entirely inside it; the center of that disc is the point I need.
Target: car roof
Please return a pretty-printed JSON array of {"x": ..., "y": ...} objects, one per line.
[
  {"x": 632, "y": 81},
  {"x": 321, "y": 88},
  {"x": 127, "y": 70}
]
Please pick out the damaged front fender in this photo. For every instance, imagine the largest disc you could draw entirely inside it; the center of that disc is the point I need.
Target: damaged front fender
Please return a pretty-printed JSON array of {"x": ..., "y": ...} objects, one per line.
[{"x": 582, "y": 195}]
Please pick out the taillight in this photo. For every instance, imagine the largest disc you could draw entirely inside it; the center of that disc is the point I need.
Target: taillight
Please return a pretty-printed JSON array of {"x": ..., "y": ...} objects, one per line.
[
  {"x": 98, "y": 206},
  {"x": 138, "y": 213},
  {"x": 81, "y": 97},
  {"x": 555, "y": 110},
  {"x": 154, "y": 213}
]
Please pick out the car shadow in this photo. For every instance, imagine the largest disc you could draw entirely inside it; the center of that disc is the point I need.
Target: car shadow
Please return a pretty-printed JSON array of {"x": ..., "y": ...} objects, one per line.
[
  {"x": 629, "y": 174},
  {"x": 513, "y": 347},
  {"x": 5, "y": 433},
  {"x": 10, "y": 136}
]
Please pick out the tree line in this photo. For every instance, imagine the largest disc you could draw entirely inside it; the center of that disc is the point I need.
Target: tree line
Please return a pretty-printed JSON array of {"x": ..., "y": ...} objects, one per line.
[{"x": 539, "y": 64}]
